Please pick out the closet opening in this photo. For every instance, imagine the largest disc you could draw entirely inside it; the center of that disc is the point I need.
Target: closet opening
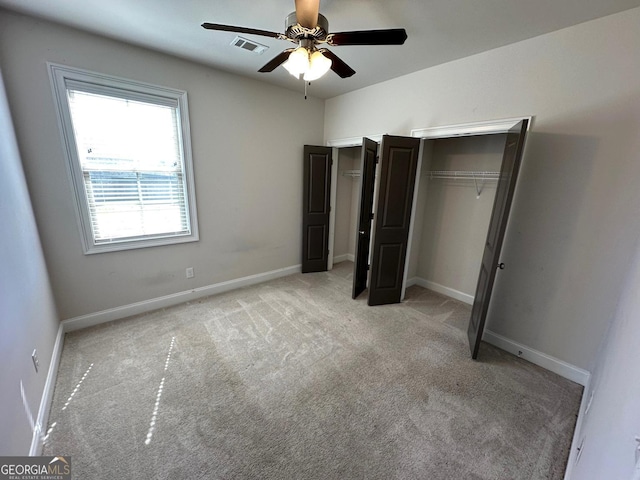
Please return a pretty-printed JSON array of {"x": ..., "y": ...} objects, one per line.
[
  {"x": 345, "y": 203},
  {"x": 515, "y": 131},
  {"x": 455, "y": 192},
  {"x": 454, "y": 196},
  {"x": 431, "y": 198}
]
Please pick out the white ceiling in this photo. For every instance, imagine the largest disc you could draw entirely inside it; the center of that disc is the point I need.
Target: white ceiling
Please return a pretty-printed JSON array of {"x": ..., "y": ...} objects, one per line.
[{"x": 439, "y": 30}]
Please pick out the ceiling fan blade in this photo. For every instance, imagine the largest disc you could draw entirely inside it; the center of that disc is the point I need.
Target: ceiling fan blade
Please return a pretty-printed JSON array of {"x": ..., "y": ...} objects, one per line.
[
  {"x": 276, "y": 61},
  {"x": 393, "y": 36},
  {"x": 307, "y": 12},
  {"x": 337, "y": 65},
  {"x": 231, "y": 28}
]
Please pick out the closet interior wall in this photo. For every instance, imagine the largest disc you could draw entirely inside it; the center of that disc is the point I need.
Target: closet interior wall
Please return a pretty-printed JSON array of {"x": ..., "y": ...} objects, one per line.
[
  {"x": 346, "y": 206},
  {"x": 451, "y": 218}
]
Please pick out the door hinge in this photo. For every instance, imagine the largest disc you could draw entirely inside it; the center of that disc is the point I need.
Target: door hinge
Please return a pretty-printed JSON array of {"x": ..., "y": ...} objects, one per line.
[
  {"x": 329, "y": 208},
  {"x": 377, "y": 159},
  {"x": 368, "y": 267},
  {"x": 371, "y": 216}
]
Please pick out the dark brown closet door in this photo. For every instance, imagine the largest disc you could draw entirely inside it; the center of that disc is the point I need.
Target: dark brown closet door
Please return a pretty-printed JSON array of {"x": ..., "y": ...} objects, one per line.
[
  {"x": 398, "y": 165},
  {"x": 367, "y": 179},
  {"x": 316, "y": 208},
  {"x": 497, "y": 226}
]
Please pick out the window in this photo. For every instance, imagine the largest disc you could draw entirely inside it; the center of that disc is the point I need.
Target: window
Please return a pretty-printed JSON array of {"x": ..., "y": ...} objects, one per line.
[{"x": 129, "y": 158}]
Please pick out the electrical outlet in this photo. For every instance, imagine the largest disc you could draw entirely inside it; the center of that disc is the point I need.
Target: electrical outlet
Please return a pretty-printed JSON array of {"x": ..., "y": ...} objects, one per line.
[
  {"x": 34, "y": 357},
  {"x": 190, "y": 273}
]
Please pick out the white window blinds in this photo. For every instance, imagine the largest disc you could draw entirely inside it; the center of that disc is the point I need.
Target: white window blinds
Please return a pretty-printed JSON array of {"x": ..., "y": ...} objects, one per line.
[
  {"x": 131, "y": 162},
  {"x": 128, "y": 150}
]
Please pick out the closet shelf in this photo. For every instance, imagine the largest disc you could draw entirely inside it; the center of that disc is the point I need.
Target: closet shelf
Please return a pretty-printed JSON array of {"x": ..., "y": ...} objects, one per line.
[
  {"x": 462, "y": 175},
  {"x": 351, "y": 173}
]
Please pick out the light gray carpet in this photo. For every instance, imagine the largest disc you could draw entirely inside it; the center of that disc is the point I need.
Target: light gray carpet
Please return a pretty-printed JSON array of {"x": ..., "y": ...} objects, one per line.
[{"x": 291, "y": 379}]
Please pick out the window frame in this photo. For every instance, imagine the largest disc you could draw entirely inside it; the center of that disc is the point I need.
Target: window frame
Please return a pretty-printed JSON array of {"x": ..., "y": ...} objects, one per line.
[{"x": 62, "y": 76}]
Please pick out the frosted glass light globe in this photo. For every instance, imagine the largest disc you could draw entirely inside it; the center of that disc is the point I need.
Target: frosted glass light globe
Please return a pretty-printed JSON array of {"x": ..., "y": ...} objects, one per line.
[
  {"x": 298, "y": 62},
  {"x": 318, "y": 66}
]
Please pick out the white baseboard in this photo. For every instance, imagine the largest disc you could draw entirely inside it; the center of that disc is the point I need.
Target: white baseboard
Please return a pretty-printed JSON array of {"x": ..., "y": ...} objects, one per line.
[
  {"x": 47, "y": 395},
  {"x": 577, "y": 432},
  {"x": 436, "y": 287},
  {"x": 124, "y": 311},
  {"x": 342, "y": 258},
  {"x": 555, "y": 365}
]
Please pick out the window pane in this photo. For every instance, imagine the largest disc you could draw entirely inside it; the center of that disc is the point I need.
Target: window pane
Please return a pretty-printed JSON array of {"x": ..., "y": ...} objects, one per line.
[
  {"x": 130, "y": 157},
  {"x": 115, "y": 132}
]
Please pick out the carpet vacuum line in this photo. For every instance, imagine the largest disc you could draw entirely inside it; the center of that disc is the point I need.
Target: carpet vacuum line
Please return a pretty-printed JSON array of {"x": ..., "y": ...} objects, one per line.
[
  {"x": 154, "y": 415},
  {"x": 75, "y": 390}
]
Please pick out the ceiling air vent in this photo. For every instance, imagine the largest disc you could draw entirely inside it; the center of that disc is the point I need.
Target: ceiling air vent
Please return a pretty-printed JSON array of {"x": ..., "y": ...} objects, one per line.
[{"x": 249, "y": 45}]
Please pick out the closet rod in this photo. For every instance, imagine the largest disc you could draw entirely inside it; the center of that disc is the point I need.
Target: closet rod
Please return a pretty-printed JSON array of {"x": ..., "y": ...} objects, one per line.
[{"x": 449, "y": 174}]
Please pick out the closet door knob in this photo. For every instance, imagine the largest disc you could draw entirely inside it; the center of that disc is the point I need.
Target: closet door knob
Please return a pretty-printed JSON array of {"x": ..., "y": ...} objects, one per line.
[
  {"x": 361, "y": 232},
  {"x": 501, "y": 266}
]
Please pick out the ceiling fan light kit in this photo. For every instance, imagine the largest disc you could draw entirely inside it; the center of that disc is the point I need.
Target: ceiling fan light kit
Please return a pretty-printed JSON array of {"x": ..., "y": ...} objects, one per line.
[
  {"x": 308, "y": 62},
  {"x": 308, "y": 29}
]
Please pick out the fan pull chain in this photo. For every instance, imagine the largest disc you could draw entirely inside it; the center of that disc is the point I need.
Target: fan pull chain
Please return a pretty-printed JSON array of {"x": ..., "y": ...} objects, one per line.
[{"x": 305, "y": 89}]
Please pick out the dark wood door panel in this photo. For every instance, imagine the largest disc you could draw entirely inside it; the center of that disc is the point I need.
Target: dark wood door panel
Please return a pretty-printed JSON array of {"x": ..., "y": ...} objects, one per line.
[
  {"x": 397, "y": 202},
  {"x": 365, "y": 213},
  {"x": 316, "y": 245},
  {"x": 511, "y": 161},
  {"x": 389, "y": 256},
  {"x": 319, "y": 184},
  {"x": 398, "y": 164},
  {"x": 481, "y": 287},
  {"x": 316, "y": 208}
]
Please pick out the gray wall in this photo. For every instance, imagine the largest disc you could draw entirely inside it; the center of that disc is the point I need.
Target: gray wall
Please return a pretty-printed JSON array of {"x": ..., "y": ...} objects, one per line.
[
  {"x": 419, "y": 213},
  {"x": 575, "y": 213},
  {"x": 455, "y": 219},
  {"x": 344, "y": 195},
  {"x": 247, "y": 162},
  {"x": 28, "y": 316},
  {"x": 613, "y": 420}
]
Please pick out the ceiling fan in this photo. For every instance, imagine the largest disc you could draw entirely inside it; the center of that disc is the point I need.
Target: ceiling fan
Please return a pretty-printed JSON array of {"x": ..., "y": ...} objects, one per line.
[{"x": 307, "y": 28}]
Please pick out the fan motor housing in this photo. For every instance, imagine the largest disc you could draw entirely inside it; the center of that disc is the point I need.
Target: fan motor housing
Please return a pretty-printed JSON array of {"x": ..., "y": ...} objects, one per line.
[{"x": 295, "y": 31}]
